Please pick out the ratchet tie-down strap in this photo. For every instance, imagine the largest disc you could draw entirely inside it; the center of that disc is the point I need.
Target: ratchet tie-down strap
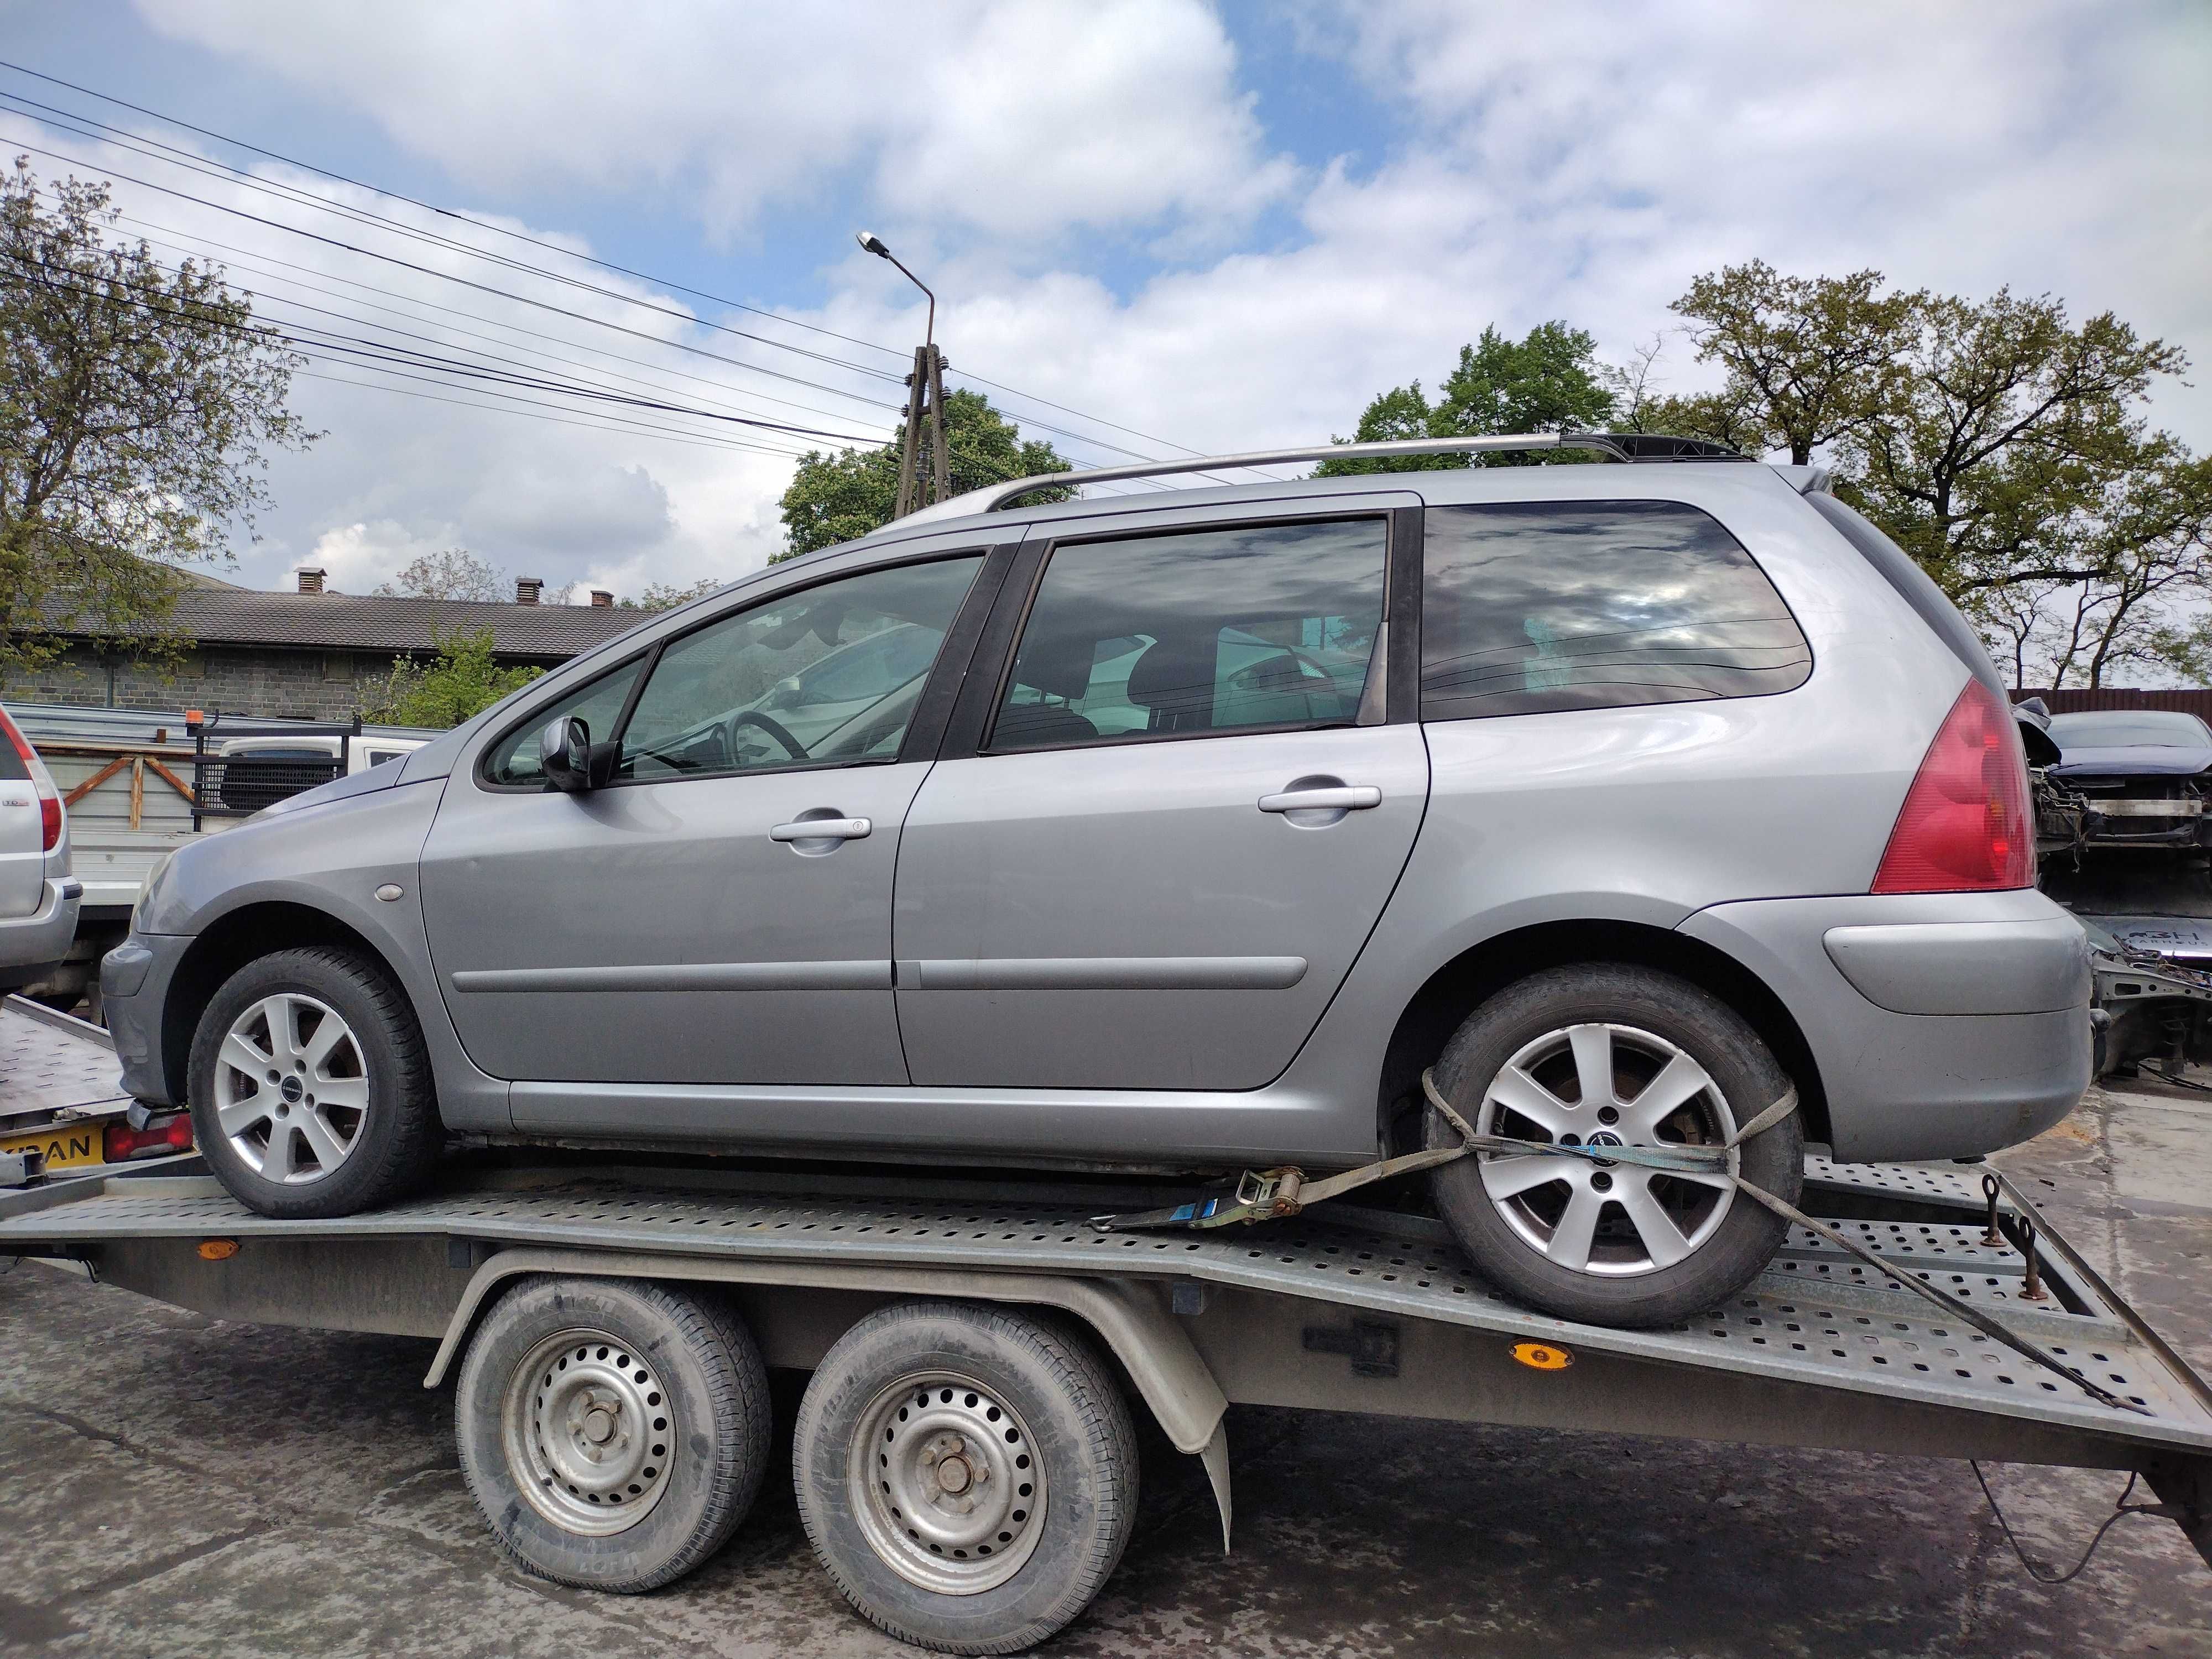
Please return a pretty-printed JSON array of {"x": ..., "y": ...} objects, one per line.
[{"x": 1272, "y": 1194}]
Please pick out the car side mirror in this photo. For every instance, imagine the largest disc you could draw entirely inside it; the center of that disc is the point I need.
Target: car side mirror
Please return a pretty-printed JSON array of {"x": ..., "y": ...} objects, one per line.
[{"x": 572, "y": 762}]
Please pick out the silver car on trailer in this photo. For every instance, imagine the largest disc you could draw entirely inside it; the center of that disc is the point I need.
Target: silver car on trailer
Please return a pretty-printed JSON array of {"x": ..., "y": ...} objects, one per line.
[{"x": 1624, "y": 799}]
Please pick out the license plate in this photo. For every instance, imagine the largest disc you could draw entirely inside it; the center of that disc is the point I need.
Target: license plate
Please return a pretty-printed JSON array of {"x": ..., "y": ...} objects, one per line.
[{"x": 66, "y": 1146}]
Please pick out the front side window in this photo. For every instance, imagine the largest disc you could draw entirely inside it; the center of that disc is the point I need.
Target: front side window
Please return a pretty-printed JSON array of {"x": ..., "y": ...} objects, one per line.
[
  {"x": 828, "y": 674},
  {"x": 513, "y": 759},
  {"x": 1527, "y": 607},
  {"x": 1196, "y": 633}
]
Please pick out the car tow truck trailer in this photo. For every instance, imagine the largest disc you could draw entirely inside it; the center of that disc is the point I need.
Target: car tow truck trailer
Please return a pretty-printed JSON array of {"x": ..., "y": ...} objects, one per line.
[{"x": 1346, "y": 1309}]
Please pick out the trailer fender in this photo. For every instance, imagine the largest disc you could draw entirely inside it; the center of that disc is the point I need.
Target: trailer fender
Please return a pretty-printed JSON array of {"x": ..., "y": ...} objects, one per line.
[{"x": 1128, "y": 1315}]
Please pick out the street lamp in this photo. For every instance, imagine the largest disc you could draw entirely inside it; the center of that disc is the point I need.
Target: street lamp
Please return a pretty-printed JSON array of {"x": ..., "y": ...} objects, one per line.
[{"x": 874, "y": 244}]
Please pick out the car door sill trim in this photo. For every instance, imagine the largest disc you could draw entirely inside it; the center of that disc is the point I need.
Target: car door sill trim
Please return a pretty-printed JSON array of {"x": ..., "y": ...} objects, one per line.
[
  {"x": 684, "y": 976},
  {"x": 1102, "y": 974}
]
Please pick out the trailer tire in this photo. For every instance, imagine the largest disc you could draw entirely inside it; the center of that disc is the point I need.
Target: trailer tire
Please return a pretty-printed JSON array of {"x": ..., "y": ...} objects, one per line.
[
  {"x": 582, "y": 1396},
  {"x": 1631, "y": 1273},
  {"x": 1018, "y": 1419},
  {"x": 395, "y": 1133}
]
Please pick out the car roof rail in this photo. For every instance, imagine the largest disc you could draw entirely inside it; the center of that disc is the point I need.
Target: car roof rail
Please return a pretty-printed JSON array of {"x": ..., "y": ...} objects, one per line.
[{"x": 1618, "y": 445}]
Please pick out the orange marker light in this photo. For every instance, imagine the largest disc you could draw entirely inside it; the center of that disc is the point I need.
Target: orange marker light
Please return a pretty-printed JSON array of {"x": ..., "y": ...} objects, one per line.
[
  {"x": 1537, "y": 1356},
  {"x": 218, "y": 1249}
]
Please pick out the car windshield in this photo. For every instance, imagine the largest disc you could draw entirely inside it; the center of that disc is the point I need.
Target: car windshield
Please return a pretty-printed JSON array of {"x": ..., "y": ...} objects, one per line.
[{"x": 2131, "y": 729}]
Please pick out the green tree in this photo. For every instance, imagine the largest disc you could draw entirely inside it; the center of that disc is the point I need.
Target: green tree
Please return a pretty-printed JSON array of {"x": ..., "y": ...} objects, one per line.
[
  {"x": 2008, "y": 442},
  {"x": 455, "y": 573},
  {"x": 464, "y": 680},
  {"x": 667, "y": 596},
  {"x": 836, "y": 497},
  {"x": 1548, "y": 381},
  {"x": 2004, "y": 447},
  {"x": 1809, "y": 360},
  {"x": 137, "y": 404}
]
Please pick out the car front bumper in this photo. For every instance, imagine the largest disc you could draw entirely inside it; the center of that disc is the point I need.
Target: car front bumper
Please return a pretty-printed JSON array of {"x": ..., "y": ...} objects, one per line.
[
  {"x": 1944, "y": 1025},
  {"x": 134, "y": 987},
  {"x": 30, "y": 944}
]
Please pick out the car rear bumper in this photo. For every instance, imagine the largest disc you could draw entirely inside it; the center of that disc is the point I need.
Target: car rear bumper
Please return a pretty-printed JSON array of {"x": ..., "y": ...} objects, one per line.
[
  {"x": 29, "y": 943},
  {"x": 1944, "y": 1025},
  {"x": 134, "y": 985}
]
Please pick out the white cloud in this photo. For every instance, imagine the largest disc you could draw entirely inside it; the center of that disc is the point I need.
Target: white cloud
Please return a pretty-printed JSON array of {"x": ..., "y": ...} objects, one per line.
[
  {"x": 1017, "y": 117},
  {"x": 1583, "y": 161},
  {"x": 354, "y": 558}
]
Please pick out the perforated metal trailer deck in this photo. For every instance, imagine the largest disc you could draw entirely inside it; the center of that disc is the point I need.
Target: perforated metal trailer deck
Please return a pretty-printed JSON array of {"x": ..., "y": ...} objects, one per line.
[{"x": 1347, "y": 1309}]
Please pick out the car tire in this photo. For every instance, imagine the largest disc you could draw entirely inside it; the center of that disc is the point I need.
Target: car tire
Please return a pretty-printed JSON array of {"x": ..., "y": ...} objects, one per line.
[
  {"x": 613, "y": 1432},
  {"x": 1046, "y": 1459},
  {"x": 1612, "y": 1245},
  {"x": 371, "y": 1136}
]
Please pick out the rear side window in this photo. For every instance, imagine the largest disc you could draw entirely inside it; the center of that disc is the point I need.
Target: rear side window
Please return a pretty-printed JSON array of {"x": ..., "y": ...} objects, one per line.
[
  {"x": 1529, "y": 607},
  {"x": 1198, "y": 633}
]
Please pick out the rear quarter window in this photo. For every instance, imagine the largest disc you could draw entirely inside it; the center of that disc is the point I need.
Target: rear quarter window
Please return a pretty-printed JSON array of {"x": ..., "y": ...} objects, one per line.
[{"x": 1536, "y": 606}]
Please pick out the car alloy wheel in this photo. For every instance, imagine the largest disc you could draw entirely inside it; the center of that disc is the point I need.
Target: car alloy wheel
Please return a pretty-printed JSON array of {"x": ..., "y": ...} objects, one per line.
[
  {"x": 1606, "y": 1085},
  {"x": 291, "y": 1088}
]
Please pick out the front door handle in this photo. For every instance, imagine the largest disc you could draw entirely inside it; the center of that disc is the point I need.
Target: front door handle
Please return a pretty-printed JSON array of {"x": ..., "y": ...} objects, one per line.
[
  {"x": 1339, "y": 798},
  {"x": 803, "y": 830}
]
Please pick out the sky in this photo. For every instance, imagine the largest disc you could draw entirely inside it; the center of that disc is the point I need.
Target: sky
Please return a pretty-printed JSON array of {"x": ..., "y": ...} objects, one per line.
[{"x": 1153, "y": 226}]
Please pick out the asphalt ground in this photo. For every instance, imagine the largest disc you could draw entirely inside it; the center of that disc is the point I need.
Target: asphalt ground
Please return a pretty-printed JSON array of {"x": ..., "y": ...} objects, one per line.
[{"x": 176, "y": 1485}]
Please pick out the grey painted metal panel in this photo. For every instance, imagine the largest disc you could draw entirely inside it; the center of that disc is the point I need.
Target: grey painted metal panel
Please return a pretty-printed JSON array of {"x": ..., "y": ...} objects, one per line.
[
  {"x": 1909, "y": 1086},
  {"x": 714, "y": 952},
  {"x": 1120, "y": 853},
  {"x": 1153, "y": 1128},
  {"x": 332, "y": 859},
  {"x": 2027, "y": 966}
]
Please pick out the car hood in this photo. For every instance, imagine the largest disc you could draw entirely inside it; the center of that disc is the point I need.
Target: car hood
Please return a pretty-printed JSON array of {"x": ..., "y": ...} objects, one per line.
[
  {"x": 345, "y": 788},
  {"x": 2135, "y": 760}
]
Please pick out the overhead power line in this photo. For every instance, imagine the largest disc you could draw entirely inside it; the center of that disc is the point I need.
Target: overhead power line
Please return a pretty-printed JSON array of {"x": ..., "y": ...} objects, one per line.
[
  {"x": 199, "y": 246},
  {"x": 363, "y": 214},
  {"x": 328, "y": 345}
]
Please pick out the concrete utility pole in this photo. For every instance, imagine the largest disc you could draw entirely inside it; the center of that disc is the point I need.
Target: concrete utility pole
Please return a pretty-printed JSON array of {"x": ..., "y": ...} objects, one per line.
[{"x": 925, "y": 464}]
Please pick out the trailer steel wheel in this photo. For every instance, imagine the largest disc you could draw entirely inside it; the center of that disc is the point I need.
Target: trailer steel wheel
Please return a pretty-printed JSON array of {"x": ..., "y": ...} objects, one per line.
[
  {"x": 968, "y": 1475},
  {"x": 1610, "y": 1054},
  {"x": 612, "y": 1432}
]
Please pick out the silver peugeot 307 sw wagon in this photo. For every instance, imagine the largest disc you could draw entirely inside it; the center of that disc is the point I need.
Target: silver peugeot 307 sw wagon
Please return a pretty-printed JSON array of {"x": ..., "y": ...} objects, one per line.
[{"x": 1187, "y": 832}]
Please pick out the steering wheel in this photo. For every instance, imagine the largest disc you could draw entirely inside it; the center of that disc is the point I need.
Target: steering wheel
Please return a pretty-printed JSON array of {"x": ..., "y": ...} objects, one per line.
[
  {"x": 767, "y": 723},
  {"x": 1249, "y": 677}
]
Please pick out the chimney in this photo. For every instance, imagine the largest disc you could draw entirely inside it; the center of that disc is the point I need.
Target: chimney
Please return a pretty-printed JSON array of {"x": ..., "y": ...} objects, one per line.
[
  {"x": 601, "y": 599},
  {"x": 526, "y": 590},
  {"x": 310, "y": 581}
]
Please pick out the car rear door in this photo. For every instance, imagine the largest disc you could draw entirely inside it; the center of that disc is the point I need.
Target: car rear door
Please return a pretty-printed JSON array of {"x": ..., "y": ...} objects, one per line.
[{"x": 1161, "y": 832}]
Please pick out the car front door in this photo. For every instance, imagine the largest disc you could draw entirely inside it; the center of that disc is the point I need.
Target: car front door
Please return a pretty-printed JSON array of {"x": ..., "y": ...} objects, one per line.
[
  {"x": 720, "y": 911},
  {"x": 1159, "y": 839}
]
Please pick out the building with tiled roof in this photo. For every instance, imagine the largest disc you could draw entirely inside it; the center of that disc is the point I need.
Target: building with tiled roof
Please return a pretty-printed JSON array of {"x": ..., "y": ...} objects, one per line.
[{"x": 301, "y": 653}]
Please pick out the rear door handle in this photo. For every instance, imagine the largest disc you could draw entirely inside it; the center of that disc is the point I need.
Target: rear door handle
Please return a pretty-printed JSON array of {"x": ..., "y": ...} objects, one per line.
[
  {"x": 1344, "y": 798},
  {"x": 822, "y": 830}
]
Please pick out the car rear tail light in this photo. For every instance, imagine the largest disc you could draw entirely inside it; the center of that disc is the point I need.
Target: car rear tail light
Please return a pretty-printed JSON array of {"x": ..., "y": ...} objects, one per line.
[
  {"x": 120, "y": 1143},
  {"x": 1967, "y": 825},
  {"x": 49, "y": 804}
]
